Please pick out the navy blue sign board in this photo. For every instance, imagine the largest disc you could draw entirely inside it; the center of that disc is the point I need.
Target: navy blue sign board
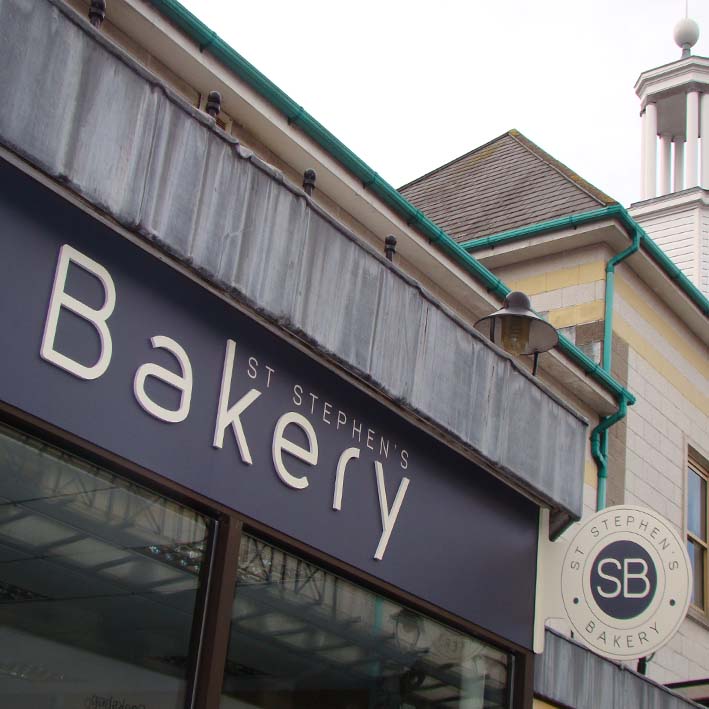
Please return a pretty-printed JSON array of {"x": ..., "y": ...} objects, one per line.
[{"x": 109, "y": 343}]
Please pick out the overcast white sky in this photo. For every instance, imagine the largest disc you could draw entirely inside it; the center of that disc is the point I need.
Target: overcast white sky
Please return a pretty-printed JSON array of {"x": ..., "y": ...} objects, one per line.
[{"x": 411, "y": 85}]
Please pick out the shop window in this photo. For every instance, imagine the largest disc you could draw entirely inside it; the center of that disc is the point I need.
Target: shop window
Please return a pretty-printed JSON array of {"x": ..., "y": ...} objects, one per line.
[
  {"x": 98, "y": 584},
  {"x": 697, "y": 528},
  {"x": 303, "y": 637}
]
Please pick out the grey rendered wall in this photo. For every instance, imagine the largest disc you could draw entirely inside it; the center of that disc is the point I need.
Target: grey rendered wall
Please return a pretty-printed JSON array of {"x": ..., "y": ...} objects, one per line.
[{"x": 87, "y": 115}]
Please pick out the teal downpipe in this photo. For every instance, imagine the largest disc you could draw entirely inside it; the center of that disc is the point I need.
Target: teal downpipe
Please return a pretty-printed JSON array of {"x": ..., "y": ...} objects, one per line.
[
  {"x": 609, "y": 297},
  {"x": 599, "y": 448},
  {"x": 599, "y": 435},
  {"x": 600, "y": 452}
]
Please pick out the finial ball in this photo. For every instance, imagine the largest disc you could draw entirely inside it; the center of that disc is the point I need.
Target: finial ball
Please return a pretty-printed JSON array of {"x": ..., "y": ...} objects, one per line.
[{"x": 686, "y": 33}]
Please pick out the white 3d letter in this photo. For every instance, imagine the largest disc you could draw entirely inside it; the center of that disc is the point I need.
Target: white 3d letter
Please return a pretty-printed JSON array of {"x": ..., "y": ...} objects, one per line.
[
  {"x": 230, "y": 416},
  {"x": 184, "y": 382},
  {"x": 59, "y": 299},
  {"x": 388, "y": 516},
  {"x": 345, "y": 457},
  {"x": 280, "y": 444}
]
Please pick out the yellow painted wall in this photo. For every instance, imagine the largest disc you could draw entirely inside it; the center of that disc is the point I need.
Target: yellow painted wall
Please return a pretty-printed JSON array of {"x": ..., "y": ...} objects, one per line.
[
  {"x": 576, "y": 314},
  {"x": 661, "y": 364},
  {"x": 541, "y": 704},
  {"x": 662, "y": 324},
  {"x": 560, "y": 278}
]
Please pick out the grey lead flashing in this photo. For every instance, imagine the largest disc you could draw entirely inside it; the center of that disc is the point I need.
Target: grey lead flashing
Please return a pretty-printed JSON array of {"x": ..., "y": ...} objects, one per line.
[
  {"x": 86, "y": 114},
  {"x": 570, "y": 675}
]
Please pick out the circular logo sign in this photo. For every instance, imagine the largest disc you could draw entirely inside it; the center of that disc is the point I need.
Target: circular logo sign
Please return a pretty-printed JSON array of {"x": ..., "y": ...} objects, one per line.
[{"x": 626, "y": 582}]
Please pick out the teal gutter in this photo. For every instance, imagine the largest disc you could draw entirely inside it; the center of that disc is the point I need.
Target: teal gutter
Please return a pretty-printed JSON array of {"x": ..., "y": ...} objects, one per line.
[
  {"x": 640, "y": 239},
  {"x": 296, "y": 115},
  {"x": 613, "y": 211},
  {"x": 504, "y": 237}
]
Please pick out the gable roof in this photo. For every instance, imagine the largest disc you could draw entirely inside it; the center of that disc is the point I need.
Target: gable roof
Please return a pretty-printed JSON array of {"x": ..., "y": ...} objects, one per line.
[{"x": 507, "y": 183}]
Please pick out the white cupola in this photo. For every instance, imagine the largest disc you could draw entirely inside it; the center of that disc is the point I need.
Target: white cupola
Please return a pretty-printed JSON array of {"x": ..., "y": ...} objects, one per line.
[{"x": 674, "y": 179}]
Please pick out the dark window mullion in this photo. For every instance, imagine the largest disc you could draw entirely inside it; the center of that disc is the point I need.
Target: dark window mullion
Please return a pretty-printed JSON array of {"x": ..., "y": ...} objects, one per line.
[
  {"x": 696, "y": 540},
  {"x": 207, "y": 674},
  {"x": 521, "y": 681}
]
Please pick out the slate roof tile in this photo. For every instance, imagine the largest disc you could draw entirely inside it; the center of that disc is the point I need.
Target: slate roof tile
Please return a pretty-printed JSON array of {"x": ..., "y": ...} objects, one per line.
[{"x": 507, "y": 183}]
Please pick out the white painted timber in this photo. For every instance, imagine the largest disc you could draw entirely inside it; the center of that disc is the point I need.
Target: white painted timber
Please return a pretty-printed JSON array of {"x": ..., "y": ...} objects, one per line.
[
  {"x": 691, "y": 161},
  {"x": 678, "y": 183},
  {"x": 704, "y": 132},
  {"x": 650, "y": 150},
  {"x": 665, "y": 163}
]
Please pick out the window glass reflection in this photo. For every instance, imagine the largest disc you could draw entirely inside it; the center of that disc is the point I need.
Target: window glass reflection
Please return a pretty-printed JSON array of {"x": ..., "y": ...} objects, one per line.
[
  {"x": 98, "y": 581},
  {"x": 302, "y": 637},
  {"x": 696, "y": 558},
  {"x": 696, "y": 505}
]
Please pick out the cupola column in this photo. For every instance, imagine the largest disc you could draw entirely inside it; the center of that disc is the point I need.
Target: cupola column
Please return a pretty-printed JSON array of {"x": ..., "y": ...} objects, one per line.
[
  {"x": 650, "y": 151},
  {"x": 691, "y": 156},
  {"x": 704, "y": 132},
  {"x": 642, "y": 154},
  {"x": 665, "y": 163},
  {"x": 678, "y": 171}
]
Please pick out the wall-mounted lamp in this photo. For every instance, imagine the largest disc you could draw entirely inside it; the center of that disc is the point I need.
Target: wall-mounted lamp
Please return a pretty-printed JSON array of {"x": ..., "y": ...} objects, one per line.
[
  {"x": 517, "y": 329},
  {"x": 408, "y": 627}
]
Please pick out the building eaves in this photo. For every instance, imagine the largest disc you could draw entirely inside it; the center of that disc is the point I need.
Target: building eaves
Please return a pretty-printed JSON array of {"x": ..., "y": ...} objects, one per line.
[
  {"x": 628, "y": 223},
  {"x": 390, "y": 197},
  {"x": 159, "y": 169}
]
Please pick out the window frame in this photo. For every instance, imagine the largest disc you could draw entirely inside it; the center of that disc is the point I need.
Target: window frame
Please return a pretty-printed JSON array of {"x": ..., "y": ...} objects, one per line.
[
  {"x": 694, "y": 464},
  {"x": 213, "y": 606}
]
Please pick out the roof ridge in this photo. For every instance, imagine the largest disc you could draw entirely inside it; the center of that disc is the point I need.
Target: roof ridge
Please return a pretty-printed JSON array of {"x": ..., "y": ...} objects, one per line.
[
  {"x": 573, "y": 177},
  {"x": 510, "y": 133}
]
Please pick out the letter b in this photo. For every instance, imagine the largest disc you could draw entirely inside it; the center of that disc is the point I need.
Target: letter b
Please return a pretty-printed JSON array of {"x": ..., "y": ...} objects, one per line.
[
  {"x": 627, "y": 575},
  {"x": 97, "y": 318}
]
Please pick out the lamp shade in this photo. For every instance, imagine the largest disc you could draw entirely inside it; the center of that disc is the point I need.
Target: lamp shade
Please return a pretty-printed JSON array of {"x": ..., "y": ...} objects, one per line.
[{"x": 516, "y": 328}]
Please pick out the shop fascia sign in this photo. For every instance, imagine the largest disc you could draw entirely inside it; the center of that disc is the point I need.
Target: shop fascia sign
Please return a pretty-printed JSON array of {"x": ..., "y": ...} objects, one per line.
[
  {"x": 228, "y": 417},
  {"x": 621, "y": 579}
]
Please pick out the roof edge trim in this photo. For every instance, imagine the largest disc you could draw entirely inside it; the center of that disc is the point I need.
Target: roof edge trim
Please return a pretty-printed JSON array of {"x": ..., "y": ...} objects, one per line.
[
  {"x": 614, "y": 211},
  {"x": 211, "y": 42},
  {"x": 566, "y": 172},
  {"x": 508, "y": 134}
]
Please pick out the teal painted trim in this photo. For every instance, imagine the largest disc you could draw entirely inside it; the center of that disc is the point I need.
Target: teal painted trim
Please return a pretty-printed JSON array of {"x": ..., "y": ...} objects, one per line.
[
  {"x": 503, "y": 237},
  {"x": 599, "y": 449},
  {"x": 602, "y": 495},
  {"x": 610, "y": 297},
  {"x": 600, "y": 453},
  {"x": 599, "y": 435},
  {"x": 602, "y": 459},
  {"x": 614, "y": 211},
  {"x": 296, "y": 115},
  {"x": 671, "y": 270},
  {"x": 595, "y": 370}
]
